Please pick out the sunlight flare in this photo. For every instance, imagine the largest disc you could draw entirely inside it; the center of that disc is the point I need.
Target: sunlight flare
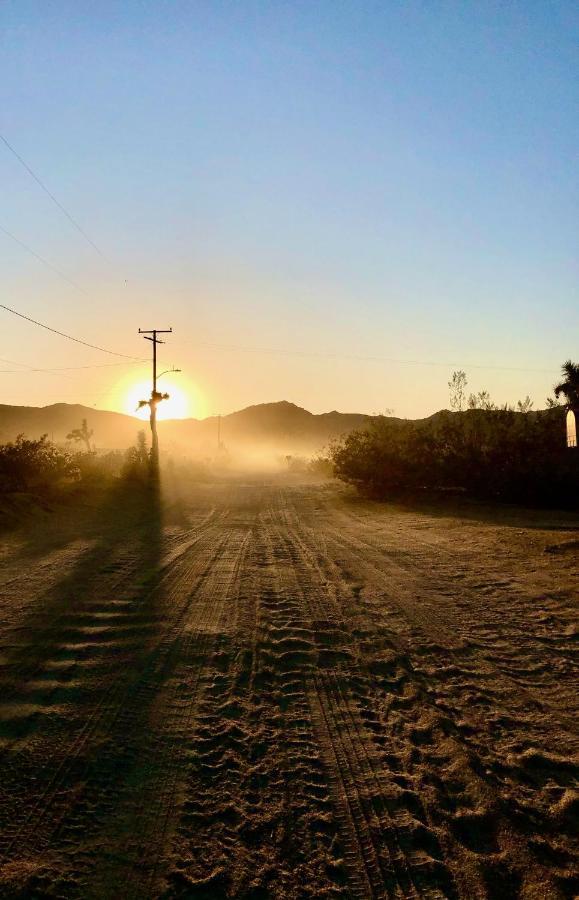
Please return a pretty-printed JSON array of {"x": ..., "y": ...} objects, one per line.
[{"x": 178, "y": 406}]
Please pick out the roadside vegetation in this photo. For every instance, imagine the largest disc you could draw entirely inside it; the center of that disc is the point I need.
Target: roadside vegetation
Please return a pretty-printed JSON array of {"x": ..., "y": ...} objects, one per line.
[
  {"x": 36, "y": 474},
  {"x": 508, "y": 453}
]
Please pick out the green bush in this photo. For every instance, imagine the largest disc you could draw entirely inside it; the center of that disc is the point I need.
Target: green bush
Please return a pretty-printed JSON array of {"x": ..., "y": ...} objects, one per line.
[{"x": 497, "y": 454}]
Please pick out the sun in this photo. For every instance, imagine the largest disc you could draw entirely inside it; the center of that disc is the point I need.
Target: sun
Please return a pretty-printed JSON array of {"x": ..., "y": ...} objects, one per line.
[{"x": 176, "y": 407}]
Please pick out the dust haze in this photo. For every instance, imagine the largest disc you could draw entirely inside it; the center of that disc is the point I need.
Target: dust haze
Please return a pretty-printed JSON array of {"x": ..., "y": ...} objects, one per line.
[{"x": 269, "y": 436}]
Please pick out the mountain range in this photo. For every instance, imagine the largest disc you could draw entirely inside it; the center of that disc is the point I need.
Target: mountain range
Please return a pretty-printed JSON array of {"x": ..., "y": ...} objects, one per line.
[{"x": 277, "y": 427}]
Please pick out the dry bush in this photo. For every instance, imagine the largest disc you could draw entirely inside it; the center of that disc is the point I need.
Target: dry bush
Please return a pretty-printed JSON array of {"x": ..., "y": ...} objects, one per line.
[{"x": 34, "y": 465}]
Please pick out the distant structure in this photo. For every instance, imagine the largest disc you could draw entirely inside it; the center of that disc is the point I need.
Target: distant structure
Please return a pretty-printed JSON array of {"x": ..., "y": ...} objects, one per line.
[
  {"x": 222, "y": 454},
  {"x": 571, "y": 428},
  {"x": 569, "y": 388}
]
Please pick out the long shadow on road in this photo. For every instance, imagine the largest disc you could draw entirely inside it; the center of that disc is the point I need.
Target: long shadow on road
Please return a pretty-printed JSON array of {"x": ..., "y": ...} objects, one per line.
[
  {"x": 125, "y": 553},
  {"x": 73, "y": 705}
]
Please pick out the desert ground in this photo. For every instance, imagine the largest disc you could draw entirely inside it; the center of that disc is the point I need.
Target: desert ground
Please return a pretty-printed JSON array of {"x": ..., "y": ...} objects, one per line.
[{"x": 262, "y": 688}]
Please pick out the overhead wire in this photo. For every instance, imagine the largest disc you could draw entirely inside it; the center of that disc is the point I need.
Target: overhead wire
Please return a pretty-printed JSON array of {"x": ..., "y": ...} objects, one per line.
[
  {"x": 70, "y": 337},
  {"x": 234, "y": 348},
  {"x": 42, "y": 260},
  {"x": 52, "y": 197},
  {"x": 266, "y": 350},
  {"x": 13, "y": 362},
  {"x": 25, "y": 369},
  {"x": 365, "y": 358},
  {"x": 59, "y": 369}
]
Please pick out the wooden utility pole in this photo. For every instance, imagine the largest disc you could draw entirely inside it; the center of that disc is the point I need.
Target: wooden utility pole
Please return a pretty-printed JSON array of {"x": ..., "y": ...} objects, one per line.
[{"x": 156, "y": 397}]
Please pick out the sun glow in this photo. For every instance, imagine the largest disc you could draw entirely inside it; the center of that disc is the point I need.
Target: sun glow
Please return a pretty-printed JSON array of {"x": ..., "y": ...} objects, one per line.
[{"x": 176, "y": 407}]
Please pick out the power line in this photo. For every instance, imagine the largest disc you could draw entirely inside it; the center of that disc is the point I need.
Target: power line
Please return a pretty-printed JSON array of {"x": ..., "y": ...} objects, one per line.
[
  {"x": 69, "y": 337},
  {"x": 13, "y": 362},
  {"x": 42, "y": 260},
  {"x": 362, "y": 358},
  {"x": 57, "y": 369},
  {"x": 52, "y": 197},
  {"x": 25, "y": 369}
]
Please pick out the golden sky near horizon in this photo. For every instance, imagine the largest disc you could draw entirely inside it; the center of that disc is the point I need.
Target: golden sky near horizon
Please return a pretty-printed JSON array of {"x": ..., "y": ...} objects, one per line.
[
  {"x": 221, "y": 374},
  {"x": 334, "y": 209}
]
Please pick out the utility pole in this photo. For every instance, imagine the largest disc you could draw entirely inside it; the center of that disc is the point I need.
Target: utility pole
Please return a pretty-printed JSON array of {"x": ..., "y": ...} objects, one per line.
[{"x": 156, "y": 397}]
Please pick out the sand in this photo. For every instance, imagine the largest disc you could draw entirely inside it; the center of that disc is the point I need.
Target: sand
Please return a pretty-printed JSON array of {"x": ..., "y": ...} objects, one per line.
[{"x": 267, "y": 689}]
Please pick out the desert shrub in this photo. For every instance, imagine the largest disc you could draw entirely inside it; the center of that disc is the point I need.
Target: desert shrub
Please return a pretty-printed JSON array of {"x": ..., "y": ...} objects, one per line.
[
  {"x": 99, "y": 468},
  {"x": 111, "y": 463},
  {"x": 34, "y": 465},
  {"x": 512, "y": 456},
  {"x": 487, "y": 453},
  {"x": 385, "y": 458},
  {"x": 321, "y": 466}
]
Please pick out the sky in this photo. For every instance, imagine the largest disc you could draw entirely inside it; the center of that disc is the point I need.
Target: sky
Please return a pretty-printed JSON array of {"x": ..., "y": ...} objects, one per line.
[{"x": 331, "y": 203}]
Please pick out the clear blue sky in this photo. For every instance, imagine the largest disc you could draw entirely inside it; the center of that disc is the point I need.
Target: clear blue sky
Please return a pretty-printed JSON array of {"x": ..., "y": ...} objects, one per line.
[{"x": 334, "y": 178}]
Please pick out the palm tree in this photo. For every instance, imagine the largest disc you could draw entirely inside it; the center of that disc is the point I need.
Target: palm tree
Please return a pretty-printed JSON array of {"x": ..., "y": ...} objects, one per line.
[{"x": 569, "y": 387}]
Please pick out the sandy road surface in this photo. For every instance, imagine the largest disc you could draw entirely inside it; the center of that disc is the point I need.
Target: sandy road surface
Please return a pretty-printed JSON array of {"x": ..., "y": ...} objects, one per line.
[{"x": 271, "y": 690}]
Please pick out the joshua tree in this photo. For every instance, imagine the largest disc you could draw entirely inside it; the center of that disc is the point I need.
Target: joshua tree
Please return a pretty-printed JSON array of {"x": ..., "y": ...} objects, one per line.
[
  {"x": 82, "y": 434},
  {"x": 458, "y": 390},
  {"x": 525, "y": 406},
  {"x": 569, "y": 386}
]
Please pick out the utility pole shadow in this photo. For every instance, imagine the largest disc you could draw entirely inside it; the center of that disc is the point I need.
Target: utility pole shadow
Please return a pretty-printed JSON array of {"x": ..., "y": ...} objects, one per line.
[{"x": 75, "y": 701}]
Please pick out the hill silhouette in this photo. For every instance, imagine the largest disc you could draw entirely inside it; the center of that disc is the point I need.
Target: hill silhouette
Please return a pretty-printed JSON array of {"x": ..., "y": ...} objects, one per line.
[{"x": 280, "y": 427}]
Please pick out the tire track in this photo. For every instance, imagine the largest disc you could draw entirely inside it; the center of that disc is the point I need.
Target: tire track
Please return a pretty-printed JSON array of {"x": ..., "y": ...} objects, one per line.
[
  {"x": 396, "y": 850},
  {"x": 154, "y": 809},
  {"x": 272, "y": 703},
  {"x": 496, "y": 787}
]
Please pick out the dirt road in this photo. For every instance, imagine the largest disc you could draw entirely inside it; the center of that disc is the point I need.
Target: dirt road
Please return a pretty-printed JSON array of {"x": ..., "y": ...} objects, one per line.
[{"x": 271, "y": 690}]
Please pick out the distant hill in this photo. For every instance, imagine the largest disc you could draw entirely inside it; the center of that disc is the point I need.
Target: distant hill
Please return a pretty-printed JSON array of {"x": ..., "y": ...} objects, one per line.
[
  {"x": 268, "y": 427},
  {"x": 280, "y": 427},
  {"x": 111, "y": 429}
]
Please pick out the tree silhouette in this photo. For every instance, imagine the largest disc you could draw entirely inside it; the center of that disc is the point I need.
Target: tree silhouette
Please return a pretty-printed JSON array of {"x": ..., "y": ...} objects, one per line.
[
  {"x": 569, "y": 386},
  {"x": 458, "y": 390},
  {"x": 82, "y": 434}
]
